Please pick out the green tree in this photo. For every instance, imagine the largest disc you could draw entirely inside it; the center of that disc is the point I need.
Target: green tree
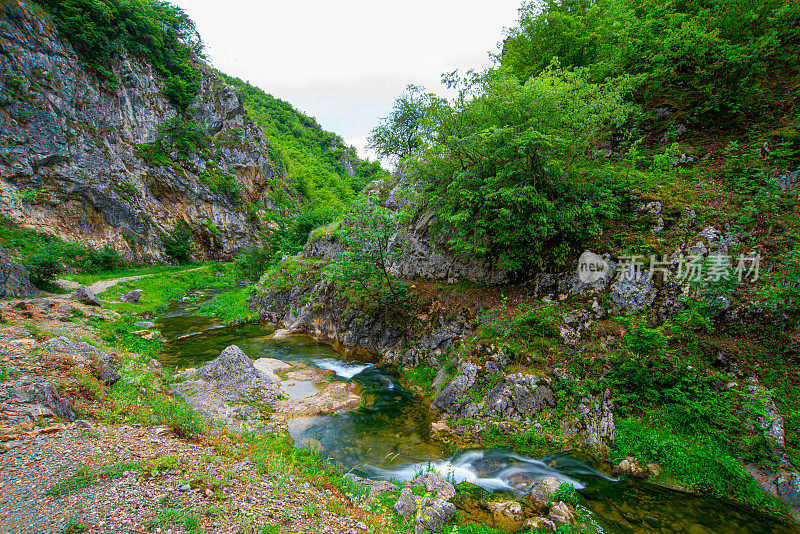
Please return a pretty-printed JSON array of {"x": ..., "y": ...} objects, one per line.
[
  {"x": 370, "y": 250},
  {"x": 399, "y": 135},
  {"x": 501, "y": 171}
]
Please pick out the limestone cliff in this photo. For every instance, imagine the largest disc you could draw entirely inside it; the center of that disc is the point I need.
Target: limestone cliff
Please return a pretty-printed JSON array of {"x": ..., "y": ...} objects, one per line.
[{"x": 69, "y": 157}]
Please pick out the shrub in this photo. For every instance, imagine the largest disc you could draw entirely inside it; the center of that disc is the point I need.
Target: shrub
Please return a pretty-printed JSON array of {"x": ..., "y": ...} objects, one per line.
[
  {"x": 253, "y": 263},
  {"x": 178, "y": 245},
  {"x": 45, "y": 265}
]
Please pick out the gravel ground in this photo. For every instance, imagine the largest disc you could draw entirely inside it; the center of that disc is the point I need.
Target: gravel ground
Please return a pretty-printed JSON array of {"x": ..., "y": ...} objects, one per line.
[
  {"x": 225, "y": 497},
  {"x": 182, "y": 478}
]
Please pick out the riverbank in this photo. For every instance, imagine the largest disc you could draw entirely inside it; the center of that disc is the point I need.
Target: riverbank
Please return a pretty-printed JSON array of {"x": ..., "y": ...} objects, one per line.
[{"x": 136, "y": 459}]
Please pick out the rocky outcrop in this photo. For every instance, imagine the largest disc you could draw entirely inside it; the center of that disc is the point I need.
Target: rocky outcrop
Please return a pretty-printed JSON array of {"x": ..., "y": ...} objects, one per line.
[
  {"x": 426, "y": 253},
  {"x": 85, "y": 353},
  {"x": 86, "y": 296},
  {"x": 314, "y": 307},
  {"x": 14, "y": 282},
  {"x": 132, "y": 297},
  {"x": 29, "y": 399},
  {"x": 228, "y": 388},
  {"x": 71, "y": 166}
]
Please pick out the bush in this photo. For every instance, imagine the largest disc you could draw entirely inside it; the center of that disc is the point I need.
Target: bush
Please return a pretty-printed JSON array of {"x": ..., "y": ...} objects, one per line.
[
  {"x": 253, "y": 263},
  {"x": 178, "y": 245},
  {"x": 699, "y": 464},
  {"x": 45, "y": 265}
]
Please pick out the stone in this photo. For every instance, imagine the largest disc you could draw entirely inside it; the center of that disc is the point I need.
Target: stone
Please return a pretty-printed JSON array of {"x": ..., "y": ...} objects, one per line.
[
  {"x": 406, "y": 505},
  {"x": 788, "y": 488},
  {"x": 542, "y": 492},
  {"x": 228, "y": 388},
  {"x": 433, "y": 481},
  {"x": 148, "y": 334},
  {"x": 506, "y": 515},
  {"x": 561, "y": 513},
  {"x": 270, "y": 367},
  {"x": 596, "y": 425},
  {"x": 144, "y": 324},
  {"x": 86, "y": 296},
  {"x": 80, "y": 352},
  {"x": 30, "y": 399},
  {"x": 538, "y": 524},
  {"x": 634, "y": 291},
  {"x": 132, "y": 297},
  {"x": 631, "y": 466},
  {"x": 14, "y": 279},
  {"x": 433, "y": 514}
]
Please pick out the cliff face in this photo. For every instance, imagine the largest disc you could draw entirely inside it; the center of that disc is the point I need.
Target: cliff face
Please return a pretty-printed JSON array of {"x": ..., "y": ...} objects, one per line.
[{"x": 69, "y": 144}]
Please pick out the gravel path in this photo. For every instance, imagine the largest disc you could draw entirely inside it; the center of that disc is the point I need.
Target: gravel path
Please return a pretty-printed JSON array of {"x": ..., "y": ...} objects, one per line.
[{"x": 102, "y": 285}]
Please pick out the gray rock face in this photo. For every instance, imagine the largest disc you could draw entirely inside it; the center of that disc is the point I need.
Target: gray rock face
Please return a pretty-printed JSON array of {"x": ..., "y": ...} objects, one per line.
[
  {"x": 788, "y": 488},
  {"x": 14, "y": 282},
  {"x": 30, "y": 399},
  {"x": 406, "y": 505},
  {"x": 77, "y": 146},
  {"x": 83, "y": 352},
  {"x": 86, "y": 296},
  {"x": 132, "y": 297},
  {"x": 435, "y": 482},
  {"x": 433, "y": 514},
  {"x": 634, "y": 293},
  {"x": 596, "y": 425},
  {"x": 540, "y": 494},
  {"x": 224, "y": 389},
  {"x": 560, "y": 513}
]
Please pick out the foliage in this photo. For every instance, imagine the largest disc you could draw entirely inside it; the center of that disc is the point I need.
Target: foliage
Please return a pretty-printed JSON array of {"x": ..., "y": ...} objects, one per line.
[
  {"x": 565, "y": 493},
  {"x": 711, "y": 56},
  {"x": 178, "y": 244},
  {"x": 500, "y": 169},
  {"x": 44, "y": 266},
  {"x": 315, "y": 160},
  {"x": 369, "y": 253},
  {"x": 178, "y": 136},
  {"x": 46, "y": 256},
  {"x": 700, "y": 465},
  {"x": 399, "y": 134},
  {"x": 223, "y": 182},
  {"x": 156, "y": 31}
]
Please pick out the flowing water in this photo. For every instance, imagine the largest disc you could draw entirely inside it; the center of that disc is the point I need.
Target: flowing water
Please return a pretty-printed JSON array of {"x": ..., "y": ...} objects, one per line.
[{"x": 388, "y": 436}]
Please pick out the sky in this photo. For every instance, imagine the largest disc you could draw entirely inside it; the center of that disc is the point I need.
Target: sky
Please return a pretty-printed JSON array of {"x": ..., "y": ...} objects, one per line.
[{"x": 345, "y": 62}]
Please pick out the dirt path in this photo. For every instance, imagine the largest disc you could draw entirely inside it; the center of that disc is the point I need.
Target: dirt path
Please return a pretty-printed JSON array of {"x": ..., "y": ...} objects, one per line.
[{"x": 102, "y": 285}]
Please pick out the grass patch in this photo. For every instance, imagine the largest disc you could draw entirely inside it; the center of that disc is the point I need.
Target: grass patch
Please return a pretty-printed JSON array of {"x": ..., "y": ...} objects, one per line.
[
  {"x": 171, "y": 514},
  {"x": 229, "y": 306},
  {"x": 87, "y": 475},
  {"x": 74, "y": 526},
  {"x": 700, "y": 465},
  {"x": 88, "y": 279}
]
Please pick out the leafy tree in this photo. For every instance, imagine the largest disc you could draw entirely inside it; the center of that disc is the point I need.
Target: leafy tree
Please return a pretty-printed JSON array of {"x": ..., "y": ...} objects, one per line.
[
  {"x": 369, "y": 253},
  {"x": 399, "y": 134},
  {"x": 178, "y": 245},
  {"x": 501, "y": 170}
]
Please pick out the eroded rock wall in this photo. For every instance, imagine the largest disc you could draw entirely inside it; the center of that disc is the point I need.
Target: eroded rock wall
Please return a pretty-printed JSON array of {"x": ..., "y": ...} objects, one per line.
[{"x": 68, "y": 151}]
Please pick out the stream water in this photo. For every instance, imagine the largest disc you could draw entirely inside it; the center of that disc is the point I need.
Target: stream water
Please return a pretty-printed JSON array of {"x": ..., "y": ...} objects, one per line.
[{"x": 389, "y": 436}]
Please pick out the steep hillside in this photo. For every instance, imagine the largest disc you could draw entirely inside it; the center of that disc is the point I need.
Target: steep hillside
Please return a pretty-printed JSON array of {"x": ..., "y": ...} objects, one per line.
[
  {"x": 324, "y": 169},
  {"x": 121, "y": 162}
]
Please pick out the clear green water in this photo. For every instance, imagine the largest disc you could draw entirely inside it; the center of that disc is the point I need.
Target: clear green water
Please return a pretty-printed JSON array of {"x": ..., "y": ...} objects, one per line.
[{"x": 389, "y": 436}]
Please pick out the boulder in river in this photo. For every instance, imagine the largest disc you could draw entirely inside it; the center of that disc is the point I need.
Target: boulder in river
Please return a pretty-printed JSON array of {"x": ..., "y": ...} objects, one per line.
[
  {"x": 433, "y": 481},
  {"x": 540, "y": 494},
  {"x": 228, "y": 388},
  {"x": 132, "y": 297},
  {"x": 406, "y": 505},
  {"x": 86, "y": 295},
  {"x": 506, "y": 515},
  {"x": 561, "y": 513},
  {"x": 433, "y": 514}
]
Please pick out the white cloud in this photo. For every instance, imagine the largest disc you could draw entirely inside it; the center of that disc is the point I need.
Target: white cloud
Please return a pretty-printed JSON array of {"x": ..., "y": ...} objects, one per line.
[{"x": 345, "y": 62}]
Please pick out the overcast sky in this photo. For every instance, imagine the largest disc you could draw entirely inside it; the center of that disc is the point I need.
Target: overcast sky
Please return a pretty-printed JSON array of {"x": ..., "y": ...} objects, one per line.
[{"x": 344, "y": 62}]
